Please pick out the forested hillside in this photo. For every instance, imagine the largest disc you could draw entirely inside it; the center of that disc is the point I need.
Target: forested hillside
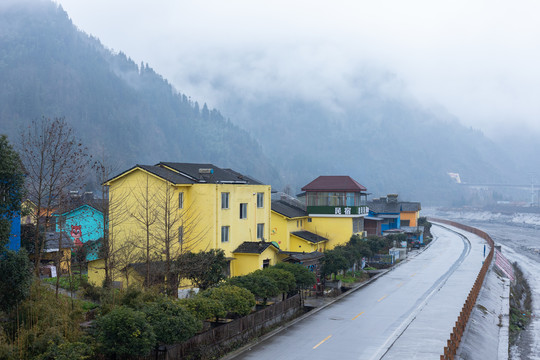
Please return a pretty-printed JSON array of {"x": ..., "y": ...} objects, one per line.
[
  {"x": 125, "y": 110},
  {"x": 133, "y": 115}
]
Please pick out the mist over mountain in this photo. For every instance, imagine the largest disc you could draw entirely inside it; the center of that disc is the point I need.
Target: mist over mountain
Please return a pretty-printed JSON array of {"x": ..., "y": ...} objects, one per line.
[
  {"x": 373, "y": 132},
  {"x": 127, "y": 111}
]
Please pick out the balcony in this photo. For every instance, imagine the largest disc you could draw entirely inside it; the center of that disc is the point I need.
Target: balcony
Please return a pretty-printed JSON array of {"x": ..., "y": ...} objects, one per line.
[{"x": 338, "y": 210}]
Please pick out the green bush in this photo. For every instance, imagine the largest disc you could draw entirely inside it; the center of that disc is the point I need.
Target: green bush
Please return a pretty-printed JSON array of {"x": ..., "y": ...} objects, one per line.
[
  {"x": 204, "y": 308},
  {"x": 15, "y": 278},
  {"x": 302, "y": 276},
  {"x": 236, "y": 301},
  {"x": 125, "y": 332},
  {"x": 170, "y": 321},
  {"x": 263, "y": 287},
  {"x": 284, "y": 280},
  {"x": 68, "y": 351}
]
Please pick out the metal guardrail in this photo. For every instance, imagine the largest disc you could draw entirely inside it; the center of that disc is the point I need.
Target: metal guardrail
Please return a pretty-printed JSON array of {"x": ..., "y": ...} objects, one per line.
[{"x": 452, "y": 344}]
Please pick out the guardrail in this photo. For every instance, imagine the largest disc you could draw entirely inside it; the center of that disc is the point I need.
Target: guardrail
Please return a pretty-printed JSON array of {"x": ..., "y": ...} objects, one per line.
[{"x": 450, "y": 349}]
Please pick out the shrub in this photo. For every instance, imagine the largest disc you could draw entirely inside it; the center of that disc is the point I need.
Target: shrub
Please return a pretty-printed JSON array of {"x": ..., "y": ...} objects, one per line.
[
  {"x": 170, "y": 321},
  {"x": 236, "y": 301},
  {"x": 302, "y": 276},
  {"x": 284, "y": 280},
  {"x": 204, "y": 308},
  {"x": 15, "y": 278},
  {"x": 125, "y": 332},
  {"x": 263, "y": 287}
]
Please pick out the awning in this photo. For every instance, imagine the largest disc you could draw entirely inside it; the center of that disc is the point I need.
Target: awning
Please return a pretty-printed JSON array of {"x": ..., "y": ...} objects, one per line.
[
  {"x": 389, "y": 216},
  {"x": 373, "y": 218}
]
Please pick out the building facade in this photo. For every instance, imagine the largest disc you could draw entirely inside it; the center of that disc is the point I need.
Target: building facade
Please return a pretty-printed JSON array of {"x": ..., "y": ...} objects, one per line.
[{"x": 181, "y": 207}]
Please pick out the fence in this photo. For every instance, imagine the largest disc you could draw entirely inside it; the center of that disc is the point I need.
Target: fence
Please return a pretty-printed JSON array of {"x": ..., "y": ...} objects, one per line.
[
  {"x": 225, "y": 337},
  {"x": 452, "y": 344}
]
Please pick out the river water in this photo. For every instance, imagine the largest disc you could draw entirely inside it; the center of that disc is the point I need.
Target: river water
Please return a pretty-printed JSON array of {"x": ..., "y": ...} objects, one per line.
[{"x": 519, "y": 236}]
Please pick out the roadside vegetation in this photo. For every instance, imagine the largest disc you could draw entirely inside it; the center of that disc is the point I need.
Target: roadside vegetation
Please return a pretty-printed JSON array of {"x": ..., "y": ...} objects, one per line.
[
  {"x": 520, "y": 304},
  {"x": 35, "y": 323}
]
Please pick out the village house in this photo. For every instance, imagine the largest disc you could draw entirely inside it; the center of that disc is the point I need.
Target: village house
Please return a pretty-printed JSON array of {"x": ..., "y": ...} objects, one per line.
[{"x": 188, "y": 207}]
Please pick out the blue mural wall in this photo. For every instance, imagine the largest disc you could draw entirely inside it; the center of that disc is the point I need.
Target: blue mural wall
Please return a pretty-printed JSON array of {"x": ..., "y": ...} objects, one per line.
[{"x": 85, "y": 225}]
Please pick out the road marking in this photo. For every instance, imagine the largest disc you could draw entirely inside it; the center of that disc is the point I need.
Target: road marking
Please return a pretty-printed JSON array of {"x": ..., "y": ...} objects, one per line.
[
  {"x": 400, "y": 284},
  {"x": 382, "y": 298},
  {"x": 319, "y": 344},
  {"x": 413, "y": 274},
  {"x": 357, "y": 315}
]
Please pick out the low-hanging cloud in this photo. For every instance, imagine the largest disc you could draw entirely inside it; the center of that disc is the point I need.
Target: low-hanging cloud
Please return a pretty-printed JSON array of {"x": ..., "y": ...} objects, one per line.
[{"x": 477, "y": 59}]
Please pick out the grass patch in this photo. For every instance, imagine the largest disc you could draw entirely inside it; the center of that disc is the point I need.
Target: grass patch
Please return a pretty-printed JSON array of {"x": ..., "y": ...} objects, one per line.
[
  {"x": 351, "y": 278},
  {"x": 520, "y": 304},
  {"x": 64, "y": 282}
]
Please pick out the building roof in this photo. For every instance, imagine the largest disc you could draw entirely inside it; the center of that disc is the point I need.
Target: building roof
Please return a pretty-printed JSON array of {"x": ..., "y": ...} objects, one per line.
[
  {"x": 297, "y": 256},
  {"x": 212, "y": 174},
  {"x": 79, "y": 208},
  {"x": 193, "y": 173},
  {"x": 287, "y": 209},
  {"x": 383, "y": 207},
  {"x": 309, "y": 236},
  {"x": 334, "y": 183},
  {"x": 411, "y": 206},
  {"x": 253, "y": 247},
  {"x": 53, "y": 237}
]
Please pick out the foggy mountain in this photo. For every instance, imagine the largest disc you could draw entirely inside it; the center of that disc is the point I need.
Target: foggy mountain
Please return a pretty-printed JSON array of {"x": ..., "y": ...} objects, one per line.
[
  {"x": 127, "y": 111},
  {"x": 387, "y": 142}
]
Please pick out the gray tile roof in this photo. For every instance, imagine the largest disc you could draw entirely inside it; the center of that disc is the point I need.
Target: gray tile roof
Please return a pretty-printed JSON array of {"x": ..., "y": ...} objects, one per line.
[
  {"x": 189, "y": 173},
  {"x": 167, "y": 174},
  {"x": 384, "y": 207},
  {"x": 309, "y": 236},
  {"x": 289, "y": 210},
  {"x": 218, "y": 175},
  {"x": 53, "y": 237},
  {"x": 303, "y": 256},
  {"x": 411, "y": 206},
  {"x": 253, "y": 247}
]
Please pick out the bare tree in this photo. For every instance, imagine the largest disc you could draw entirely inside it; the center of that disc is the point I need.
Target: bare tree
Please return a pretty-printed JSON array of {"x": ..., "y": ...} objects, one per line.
[
  {"x": 145, "y": 214},
  {"x": 124, "y": 256},
  {"x": 177, "y": 231},
  {"x": 55, "y": 161},
  {"x": 112, "y": 206}
]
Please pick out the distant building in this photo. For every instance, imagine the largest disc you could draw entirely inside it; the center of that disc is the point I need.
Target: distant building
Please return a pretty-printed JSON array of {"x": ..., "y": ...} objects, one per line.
[
  {"x": 388, "y": 213},
  {"x": 336, "y": 207}
]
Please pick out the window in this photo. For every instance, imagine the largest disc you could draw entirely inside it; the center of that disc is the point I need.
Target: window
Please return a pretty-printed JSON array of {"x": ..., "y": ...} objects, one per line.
[
  {"x": 260, "y": 231},
  {"x": 309, "y": 220},
  {"x": 243, "y": 211},
  {"x": 225, "y": 234},
  {"x": 266, "y": 263},
  {"x": 358, "y": 225},
  {"x": 260, "y": 200},
  {"x": 224, "y": 200},
  {"x": 181, "y": 200},
  {"x": 405, "y": 222},
  {"x": 180, "y": 234}
]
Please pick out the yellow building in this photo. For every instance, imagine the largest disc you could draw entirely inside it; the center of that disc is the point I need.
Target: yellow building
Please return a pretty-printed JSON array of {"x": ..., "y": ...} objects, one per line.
[
  {"x": 336, "y": 207},
  {"x": 410, "y": 213},
  {"x": 289, "y": 223},
  {"x": 172, "y": 208}
]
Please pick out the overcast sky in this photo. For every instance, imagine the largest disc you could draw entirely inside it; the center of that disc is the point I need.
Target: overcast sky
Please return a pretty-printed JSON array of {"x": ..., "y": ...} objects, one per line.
[{"x": 478, "y": 59}]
